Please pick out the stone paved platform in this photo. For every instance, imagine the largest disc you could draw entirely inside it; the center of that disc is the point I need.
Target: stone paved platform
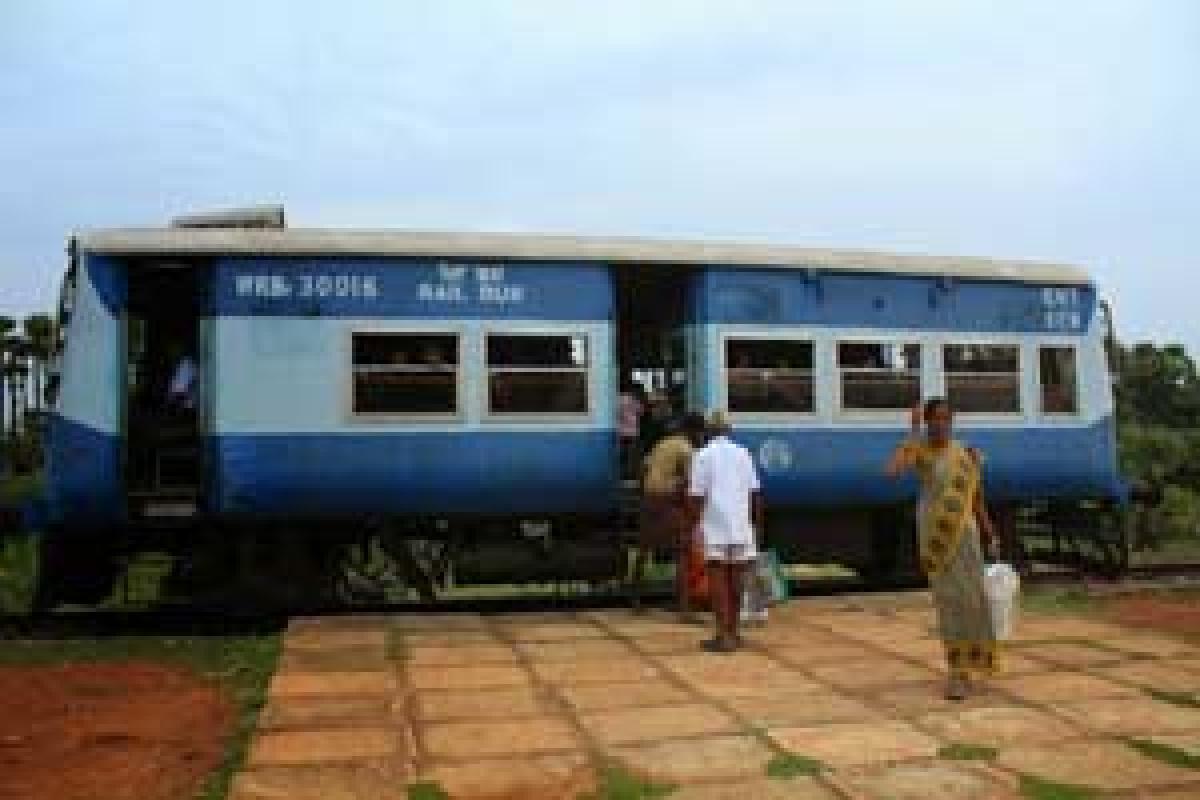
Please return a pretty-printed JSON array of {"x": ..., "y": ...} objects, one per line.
[{"x": 537, "y": 706}]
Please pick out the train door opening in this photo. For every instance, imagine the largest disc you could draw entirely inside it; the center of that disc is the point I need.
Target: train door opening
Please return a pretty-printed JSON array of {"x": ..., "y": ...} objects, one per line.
[
  {"x": 163, "y": 389},
  {"x": 653, "y": 315}
]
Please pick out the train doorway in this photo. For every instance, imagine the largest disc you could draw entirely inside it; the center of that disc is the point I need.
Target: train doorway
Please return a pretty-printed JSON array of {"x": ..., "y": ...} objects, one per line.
[
  {"x": 653, "y": 318},
  {"x": 163, "y": 401}
]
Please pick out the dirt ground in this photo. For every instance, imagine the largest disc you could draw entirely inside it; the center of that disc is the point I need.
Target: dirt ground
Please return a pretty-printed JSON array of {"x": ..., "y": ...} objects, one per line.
[
  {"x": 1174, "y": 613},
  {"x": 124, "y": 731}
]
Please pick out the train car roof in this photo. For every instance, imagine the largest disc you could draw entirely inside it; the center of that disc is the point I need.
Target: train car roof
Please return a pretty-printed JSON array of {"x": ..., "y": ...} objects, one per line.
[{"x": 530, "y": 247}]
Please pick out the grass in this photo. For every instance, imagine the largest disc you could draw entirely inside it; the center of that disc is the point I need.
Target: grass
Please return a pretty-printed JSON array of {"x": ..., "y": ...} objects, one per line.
[
  {"x": 617, "y": 783},
  {"x": 967, "y": 752},
  {"x": 1165, "y": 753},
  {"x": 786, "y": 766},
  {"x": 242, "y": 663},
  {"x": 1184, "y": 699},
  {"x": 1034, "y": 788},
  {"x": 426, "y": 790},
  {"x": 1058, "y": 601}
]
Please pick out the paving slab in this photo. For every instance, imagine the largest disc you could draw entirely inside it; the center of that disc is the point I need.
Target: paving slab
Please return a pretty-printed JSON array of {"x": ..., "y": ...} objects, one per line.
[
  {"x": 1162, "y": 675},
  {"x": 613, "y": 696},
  {"x": 323, "y": 746},
  {"x": 1154, "y": 646},
  {"x": 713, "y": 758},
  {"x": 325, "y": 711},
  {"x": 472, "y": 740},
  {"x": 799, "y": 709},
  {"x": 738, "y": 673},
  {"x": 1131, "y": 715},
  {"x": 380, "y": 780},
  {"x": 331, "y": 638},
  {"x": 871, "y": 674},
  {"x": 935, "y": 781},
  {"x": 630, "y": 725},
  {"x": 802, "y": 656},
  {"x": 914, "y": 700},
  {"x": 784, "y": 634},
  {"x": 553, "y": 631},
  {"x": 1037, "y": 628},
  {"x": 461, "y": 656},
  {"x": 1073, "y": 655},
  {"x": 462, "y": 638},
  {"x": 479, "y": 677},
  {"x": 857, "y": 743},
  {"x": 342, "y": 659},
  {"x": 998, "y": 726},
  {"x": 1052, "y": 687},
  {"x": 437, "y": 622},
  {"x": 1100, "y": 764},
  {"x": 286, "y": 684},
  {"x": 553, "y": 777},
  {"x": 481, "y": 704},
  {"x": 577, "y": 650},
  {"x": 671, "y": 643},
  {"x": 800, "y": 788},
  {"x": 611, "y": 671},
  {"x": 1187, "y": 742}
]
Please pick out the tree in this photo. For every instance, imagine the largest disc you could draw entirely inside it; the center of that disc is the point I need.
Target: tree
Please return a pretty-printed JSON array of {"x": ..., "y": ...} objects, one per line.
[
  {"x": 40, "y": 334},
  {"x": 7, "y": 326}
]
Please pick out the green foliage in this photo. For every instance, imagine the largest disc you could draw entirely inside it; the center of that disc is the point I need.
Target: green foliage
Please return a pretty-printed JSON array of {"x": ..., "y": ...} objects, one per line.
[
  {"x": 426, "y": 790},
  {"x": 1184, "y": 699},
  {"x": 1034, "y": 788},
  {"x": 617, "y": 783},
  {"x": 967, "y": 752},
  {"x": 1057, "y": 601},
  {"x": 18, "y": 573},
  {"x": 1165, "y": 753},
  {"x": 789, "y": 765}
]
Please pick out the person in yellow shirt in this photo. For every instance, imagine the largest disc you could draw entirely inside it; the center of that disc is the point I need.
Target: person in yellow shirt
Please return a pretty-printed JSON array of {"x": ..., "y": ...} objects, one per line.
[{"x": 664, "y": 520}]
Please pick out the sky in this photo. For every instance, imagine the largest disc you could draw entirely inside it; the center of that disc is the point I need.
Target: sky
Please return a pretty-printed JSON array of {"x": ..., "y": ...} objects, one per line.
[{"x": 1065, "y": 131}]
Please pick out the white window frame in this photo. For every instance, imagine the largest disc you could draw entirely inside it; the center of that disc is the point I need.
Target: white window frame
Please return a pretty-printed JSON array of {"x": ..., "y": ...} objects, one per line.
[
  {"x": 1022, "y": 402},
  {"x": 460, "y": 412},
  {"x": 758, "y": 336},
  {"x": 877, "y": 413},
  {"x": 1041, "y": 400},
  {"x": 538, "y": 417}
]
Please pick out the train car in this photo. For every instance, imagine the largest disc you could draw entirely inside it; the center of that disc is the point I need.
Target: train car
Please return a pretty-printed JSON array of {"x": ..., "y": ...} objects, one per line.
[{"x": 456, "y": 383}]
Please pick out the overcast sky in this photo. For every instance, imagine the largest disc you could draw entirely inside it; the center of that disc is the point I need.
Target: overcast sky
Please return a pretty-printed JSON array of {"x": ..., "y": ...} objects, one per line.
[{"x": 1064, "y": 131}]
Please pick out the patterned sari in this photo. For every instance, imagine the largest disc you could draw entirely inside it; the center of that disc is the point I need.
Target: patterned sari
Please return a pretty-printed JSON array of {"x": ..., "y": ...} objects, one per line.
[{"x": 951, "y": 555}]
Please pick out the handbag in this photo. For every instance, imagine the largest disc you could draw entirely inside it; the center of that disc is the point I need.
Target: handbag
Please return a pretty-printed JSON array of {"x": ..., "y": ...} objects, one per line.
[{"x": 1001, "y": 584}]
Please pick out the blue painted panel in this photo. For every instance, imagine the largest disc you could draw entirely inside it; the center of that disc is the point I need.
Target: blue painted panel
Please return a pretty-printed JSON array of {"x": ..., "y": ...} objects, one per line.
[
  {"x": 83, "y": 474},
  {"x": 794, "y": 297},
  {"x": 108, "y": 279},
  {"x": 382, "y": 288},
  {"x": 829, "y": 468},
  {"x": 487, "y": 472}
]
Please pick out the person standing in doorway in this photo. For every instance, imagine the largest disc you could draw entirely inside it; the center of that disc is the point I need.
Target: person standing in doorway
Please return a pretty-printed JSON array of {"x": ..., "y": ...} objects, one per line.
[
  {"x": 630, "y": 405},
  {"x": 725, "y": 493}
]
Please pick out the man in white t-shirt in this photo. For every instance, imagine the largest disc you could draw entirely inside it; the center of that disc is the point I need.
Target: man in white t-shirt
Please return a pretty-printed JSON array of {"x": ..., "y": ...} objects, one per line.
[{"x": 724, "y": 489}]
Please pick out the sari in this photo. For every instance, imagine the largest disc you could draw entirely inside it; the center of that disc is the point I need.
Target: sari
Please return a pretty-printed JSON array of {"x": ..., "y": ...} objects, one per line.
[{"x": 951, "y": 554}]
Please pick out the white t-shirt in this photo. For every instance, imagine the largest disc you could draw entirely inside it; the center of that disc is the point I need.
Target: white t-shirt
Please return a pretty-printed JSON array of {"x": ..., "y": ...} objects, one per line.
[{"x": 723, "y": 474}]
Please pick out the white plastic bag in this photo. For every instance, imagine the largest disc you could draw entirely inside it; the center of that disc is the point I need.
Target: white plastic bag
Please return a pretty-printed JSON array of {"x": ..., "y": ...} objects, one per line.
[{"x": 1001, "y": 583}]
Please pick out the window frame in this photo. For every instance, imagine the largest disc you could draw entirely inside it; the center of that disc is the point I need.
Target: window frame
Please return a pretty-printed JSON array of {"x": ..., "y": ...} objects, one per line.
[
  {"x": 460, "y": 395},
  {"x": 877, "y": 413},
  {"x": 1021, "y": 373},
  {"x": 1039, "y": 388},
  {"x": 487, "y": 415},
  {"x": 814, "y": 373}
]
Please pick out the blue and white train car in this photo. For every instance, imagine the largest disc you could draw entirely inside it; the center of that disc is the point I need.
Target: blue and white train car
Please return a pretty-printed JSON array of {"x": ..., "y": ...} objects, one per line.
[{"x": 343, "y": 374}]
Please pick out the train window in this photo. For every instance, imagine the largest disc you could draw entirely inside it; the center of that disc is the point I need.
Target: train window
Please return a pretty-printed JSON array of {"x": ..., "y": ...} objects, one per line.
[
  {"x": 1060, "y": 384},
  {"x": 405, "y": 373},
  {"x": 537, "y": 374},
  {"x": 769, "y": 376},
  {"x": 983, "y": 378},
  {"x": 879, "y": 376}
]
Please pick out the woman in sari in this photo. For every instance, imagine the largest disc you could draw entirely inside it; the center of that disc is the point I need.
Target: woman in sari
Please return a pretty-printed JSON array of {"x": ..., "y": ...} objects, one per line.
[{"x": 951, "y": 518}]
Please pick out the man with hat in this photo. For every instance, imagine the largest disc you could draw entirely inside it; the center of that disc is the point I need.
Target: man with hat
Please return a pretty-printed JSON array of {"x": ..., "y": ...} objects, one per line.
[{"x": 724, "y": 488}]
